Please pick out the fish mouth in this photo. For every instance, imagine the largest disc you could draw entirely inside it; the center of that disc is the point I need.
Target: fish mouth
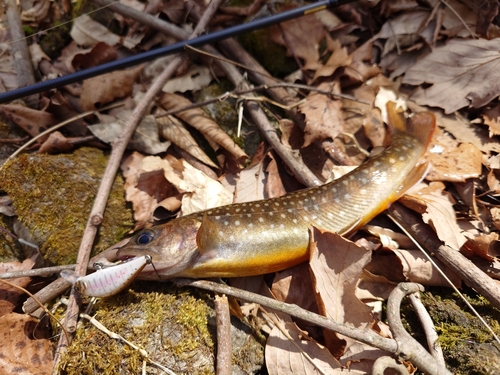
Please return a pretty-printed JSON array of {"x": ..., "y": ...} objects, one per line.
[{"x": 158, "y": 270}]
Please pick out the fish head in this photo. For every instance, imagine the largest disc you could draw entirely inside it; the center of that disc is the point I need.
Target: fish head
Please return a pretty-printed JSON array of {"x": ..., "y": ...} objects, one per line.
[{"x": 171, "y": 246}]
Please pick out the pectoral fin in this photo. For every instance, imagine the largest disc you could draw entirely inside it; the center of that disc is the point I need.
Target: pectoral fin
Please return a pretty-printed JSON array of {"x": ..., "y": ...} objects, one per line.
[{"x": 206, "y": 238}]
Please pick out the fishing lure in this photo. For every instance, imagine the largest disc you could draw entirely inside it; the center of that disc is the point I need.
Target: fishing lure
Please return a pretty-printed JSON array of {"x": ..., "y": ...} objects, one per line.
[
  {"x": 108, "y": 281},
  {"x": 259, "y": 237}
]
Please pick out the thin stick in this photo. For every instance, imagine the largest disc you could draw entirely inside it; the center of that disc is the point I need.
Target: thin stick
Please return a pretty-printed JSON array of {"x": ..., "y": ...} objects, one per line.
[
  {"x": 118, "y": 148},
  {"x": 365, "y": 336},
  {"x": 409, "y": 348},
  {"x": 224, "y": 346},
  {"x": 39, "y": 304},
  {"x": 20, "y": 52},
  {"x": 428, "y": 326}
]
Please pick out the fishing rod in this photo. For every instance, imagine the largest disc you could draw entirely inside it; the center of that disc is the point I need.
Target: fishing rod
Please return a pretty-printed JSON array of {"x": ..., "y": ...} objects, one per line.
[{"x": 168, "y": 50}]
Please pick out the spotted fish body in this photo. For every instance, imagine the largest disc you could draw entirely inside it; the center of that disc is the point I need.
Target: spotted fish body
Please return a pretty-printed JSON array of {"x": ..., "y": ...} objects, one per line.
[{"x": 273, "y": 234}]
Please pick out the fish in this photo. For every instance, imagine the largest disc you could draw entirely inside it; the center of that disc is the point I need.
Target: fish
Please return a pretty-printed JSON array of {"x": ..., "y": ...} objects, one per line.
[{"x": 259, "y": 237}]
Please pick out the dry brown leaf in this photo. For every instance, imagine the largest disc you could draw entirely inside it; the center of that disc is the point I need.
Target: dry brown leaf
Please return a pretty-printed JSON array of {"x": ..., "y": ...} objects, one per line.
[
  {"x": 451, "y": 161},
  {"x": 437, "y": 210},
  {"x": 145, "y": 138},
  {"x": 173, "y": 130},
  {"x": 196, "y": 78},
  {"x": 98, "y": 91},
  {"x": 145, "y": 190},
  {"x": 340, "y": 57},
  {"x": 30, "y": 120},
  {"x": 55, "y": 143},
  {"x": 202, "y": 192},
  {"x": 402, "y": 31},
  {"x": 200, "y": 121},
  {"x": 250, "y": 184},
  {"x": 323, "y": 114},
  {"x": 101, "y": 53},
  {"x": 463, "y": 72},
  {"x": 303, "y": 37},
  {"x": 9, "y": 295},
  {"x": 20, "y": 352},
  {"x": 285, "y": 356},
  {"x": 274, "y": 186},
  {"x": 492, "y": 119},
  {"x": 36, "y": 13},
  {"x": 335, "y": 275},
  {"x": 87, "y": 32}
]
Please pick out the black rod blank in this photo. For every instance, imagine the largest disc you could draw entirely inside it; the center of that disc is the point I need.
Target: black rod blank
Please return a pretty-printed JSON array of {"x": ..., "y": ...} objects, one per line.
[{"x": 167, "y": 50}]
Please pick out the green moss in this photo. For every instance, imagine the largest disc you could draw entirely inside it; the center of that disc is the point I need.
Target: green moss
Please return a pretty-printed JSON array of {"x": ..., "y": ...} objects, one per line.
[
  {"x": 53, "y": 196},
  {"x": 467, "y": 345},
  {"x": 175, "y": 327},
  {"x": 57, "y": 37}
]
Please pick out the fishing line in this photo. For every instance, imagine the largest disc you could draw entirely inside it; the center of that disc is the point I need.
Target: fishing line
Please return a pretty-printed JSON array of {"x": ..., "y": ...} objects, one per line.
[{"x": 168, "y": 50}]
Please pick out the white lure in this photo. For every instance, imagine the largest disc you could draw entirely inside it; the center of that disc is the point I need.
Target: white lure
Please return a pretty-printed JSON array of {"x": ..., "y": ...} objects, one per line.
[{"x": 108, "y": 281}]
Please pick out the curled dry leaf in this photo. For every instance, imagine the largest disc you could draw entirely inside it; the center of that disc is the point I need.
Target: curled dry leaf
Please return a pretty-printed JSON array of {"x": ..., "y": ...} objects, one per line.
[
  {"x": 55, "y": 143},
  {"x": 340, "y": 57},
  {"x": 200, "y": 121},
  {"x": 145, "y": 138},
  {"x": 87, "y": 32},
  {"x": 323, "y": 114},
  {"x": 335, "y": 275},
  {"x": 101, "y": 53},
  {"x": 437, "y": 210},
  {"x": 196, "y": 78},
  {"x": 32, "y": 121},
  {"x": 202, "y": 192},
  {"x": 9, "y": 295},
  {"x": 145, "y": 190},
  {"x": 98, "y": 91},
  {"x": 462, "y": 72},
  {"x": 297, "y": 353},
  {"x": 302, "y": 37},
  {"x": 21, "y": 352},
  {"x": 173, "y": 130},
  {"x": 250, "y": 184}
]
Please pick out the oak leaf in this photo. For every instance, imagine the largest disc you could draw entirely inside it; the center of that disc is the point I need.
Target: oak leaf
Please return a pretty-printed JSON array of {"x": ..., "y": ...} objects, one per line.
[{"x": 463, "y": 72}]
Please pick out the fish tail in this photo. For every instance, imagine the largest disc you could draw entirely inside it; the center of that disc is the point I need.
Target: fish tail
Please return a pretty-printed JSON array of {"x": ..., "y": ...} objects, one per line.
[{"x": 421, "y": 125}]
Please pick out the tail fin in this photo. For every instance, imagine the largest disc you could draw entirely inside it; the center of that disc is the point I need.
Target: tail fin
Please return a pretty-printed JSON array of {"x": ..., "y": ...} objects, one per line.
[{"x": 420, "y": 125}]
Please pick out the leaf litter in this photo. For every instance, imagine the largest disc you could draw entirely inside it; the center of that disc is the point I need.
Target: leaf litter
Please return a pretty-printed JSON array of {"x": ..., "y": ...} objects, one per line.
[{"x": 432, "y": 61}]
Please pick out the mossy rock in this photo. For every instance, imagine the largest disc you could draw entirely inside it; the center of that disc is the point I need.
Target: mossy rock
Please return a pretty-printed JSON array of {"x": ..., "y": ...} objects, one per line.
[
  {"x": 175, "y": 326},
  {"x": 53, "y": 196},
  {"x": 468, "y": 347}
]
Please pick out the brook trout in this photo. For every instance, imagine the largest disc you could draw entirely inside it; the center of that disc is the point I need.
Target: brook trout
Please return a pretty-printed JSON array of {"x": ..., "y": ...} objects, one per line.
[{"x": 265, "y": 236}]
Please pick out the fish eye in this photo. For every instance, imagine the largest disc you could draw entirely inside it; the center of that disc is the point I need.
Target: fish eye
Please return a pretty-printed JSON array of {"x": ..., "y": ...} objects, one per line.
[{"x": 145, "y": 237}]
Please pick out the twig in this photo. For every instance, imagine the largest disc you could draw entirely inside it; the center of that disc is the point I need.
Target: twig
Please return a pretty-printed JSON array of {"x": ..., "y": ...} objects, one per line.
[
  {"x": 452, "y": 258},
  {"x": 409, "y": 348},
  {"x": 20, "y": 52},
  {"x": 224, "y": 346},
  {"x": 428, "y": 326},
  {"x": 46, "y": 271},
  {"x": 118, "y": 148},
  {"x": 237, "y": 94},
  {"x": 46, "y": 294},
  {"x": 400, "y": 346},
  {"x": 383, "y": 363},
  {"x": 368, "y": 337}
]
